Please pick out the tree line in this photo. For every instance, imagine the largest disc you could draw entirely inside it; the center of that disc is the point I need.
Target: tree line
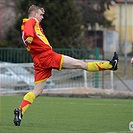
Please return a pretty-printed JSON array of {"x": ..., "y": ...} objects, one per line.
[{"x": 66, "y": 22}]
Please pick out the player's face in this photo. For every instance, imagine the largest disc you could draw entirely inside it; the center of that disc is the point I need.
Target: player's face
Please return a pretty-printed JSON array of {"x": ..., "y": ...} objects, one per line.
[{"x": 39, "y": 15}]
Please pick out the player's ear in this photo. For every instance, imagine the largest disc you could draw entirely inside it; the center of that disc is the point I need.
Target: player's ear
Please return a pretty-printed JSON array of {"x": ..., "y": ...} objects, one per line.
[{"x": 34, "y": 14}]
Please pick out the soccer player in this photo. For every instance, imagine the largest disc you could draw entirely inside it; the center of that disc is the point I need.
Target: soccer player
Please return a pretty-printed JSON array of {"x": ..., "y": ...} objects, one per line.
[{"x": 45, "y": 59}]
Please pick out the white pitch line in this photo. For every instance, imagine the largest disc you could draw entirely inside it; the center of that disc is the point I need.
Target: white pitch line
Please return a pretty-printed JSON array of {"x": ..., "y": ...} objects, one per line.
[{"x": 90, "y": 104}]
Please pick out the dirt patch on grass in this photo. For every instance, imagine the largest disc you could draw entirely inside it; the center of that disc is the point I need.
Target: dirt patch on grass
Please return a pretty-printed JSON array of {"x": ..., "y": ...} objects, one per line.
[{"x": 88, "y": 92}]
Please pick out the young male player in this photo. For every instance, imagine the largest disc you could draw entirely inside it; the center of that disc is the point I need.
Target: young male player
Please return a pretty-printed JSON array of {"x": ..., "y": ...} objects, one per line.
[{"x": 45, "y": 59}]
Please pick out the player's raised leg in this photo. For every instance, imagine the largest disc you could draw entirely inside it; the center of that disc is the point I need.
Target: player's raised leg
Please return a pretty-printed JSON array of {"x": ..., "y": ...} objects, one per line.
[{"x": 70, "y": 63}]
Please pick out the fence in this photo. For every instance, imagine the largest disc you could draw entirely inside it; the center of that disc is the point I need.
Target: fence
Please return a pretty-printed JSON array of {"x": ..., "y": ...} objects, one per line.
[{"x": 20, "y": 55}]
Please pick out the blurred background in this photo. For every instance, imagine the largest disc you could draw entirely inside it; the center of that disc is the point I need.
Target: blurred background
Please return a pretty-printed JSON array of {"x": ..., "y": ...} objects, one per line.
[
  {"x": 84, "y": 29},
  {"x": 106, "y": 24}
]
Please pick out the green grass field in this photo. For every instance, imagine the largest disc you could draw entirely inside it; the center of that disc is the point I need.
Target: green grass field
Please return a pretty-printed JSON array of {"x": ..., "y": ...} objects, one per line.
[{"x": 68, "y": 115}]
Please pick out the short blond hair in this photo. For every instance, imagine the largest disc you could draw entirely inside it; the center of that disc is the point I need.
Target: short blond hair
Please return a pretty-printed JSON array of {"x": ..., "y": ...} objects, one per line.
[{"x": 34, "y": 8}]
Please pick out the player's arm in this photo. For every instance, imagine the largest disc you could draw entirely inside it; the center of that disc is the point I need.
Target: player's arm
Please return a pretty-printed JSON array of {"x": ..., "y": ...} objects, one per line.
[{"x": 29, "y": 30}]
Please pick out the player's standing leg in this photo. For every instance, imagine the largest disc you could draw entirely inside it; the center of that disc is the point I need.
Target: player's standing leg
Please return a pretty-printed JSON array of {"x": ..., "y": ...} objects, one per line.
[{"x": 26, "y": 102}]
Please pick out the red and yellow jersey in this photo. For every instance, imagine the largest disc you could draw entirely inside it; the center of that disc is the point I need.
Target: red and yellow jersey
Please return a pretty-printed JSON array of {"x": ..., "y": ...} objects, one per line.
[{"x": 31, "y": 30}]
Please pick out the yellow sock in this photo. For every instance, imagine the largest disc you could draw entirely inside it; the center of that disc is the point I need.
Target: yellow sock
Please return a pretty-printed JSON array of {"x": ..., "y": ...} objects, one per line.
[
  {"x": 98, "y": 66},
  {"x": 27, "y": 101}
]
